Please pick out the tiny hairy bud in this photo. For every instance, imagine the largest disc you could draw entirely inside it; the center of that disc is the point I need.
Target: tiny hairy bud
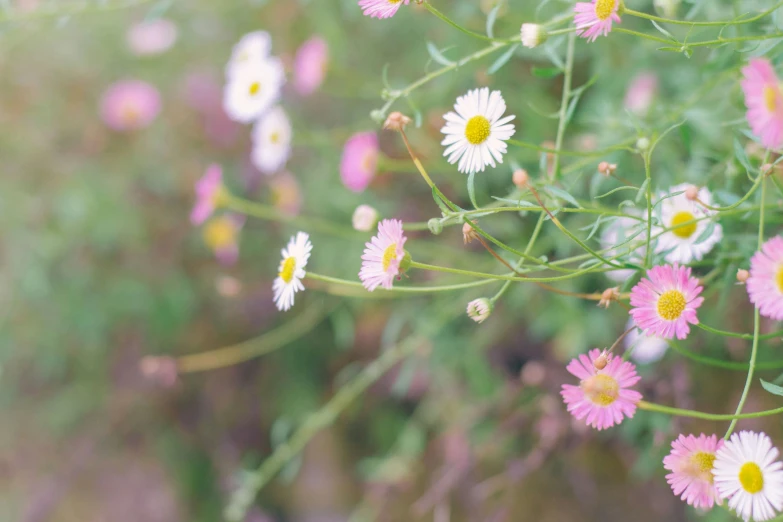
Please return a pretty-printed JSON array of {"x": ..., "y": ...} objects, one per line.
[
  {"x": 396, "y": 121},
  {"x": 609, "y": 295},
  {"x": 692, "y": 193},
  {"x": 435, "y": 225},
  {"x": 642, "y": 143},
  {"x": 521, "y": 179},
  {"x": 468, "y": 233},
  {"x": 742, "y": 275},
  {"x": 377, "y": 116},
  {"x": 602, "y": 360},
  {"x": 606, "y": 168}
]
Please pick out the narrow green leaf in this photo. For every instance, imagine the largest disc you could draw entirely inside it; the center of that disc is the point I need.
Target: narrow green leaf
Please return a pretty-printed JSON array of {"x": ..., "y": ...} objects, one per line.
[
  {"x": 436, "y": 55},
  {"x": 562, "y": 194},
  {"x": 774, "y": 389},
  {"x": 502, "y": 60},
  {"x": 491, "y": 17},
  {"x": 546, "y": 72},
  {"x": 472, "y": 189}
]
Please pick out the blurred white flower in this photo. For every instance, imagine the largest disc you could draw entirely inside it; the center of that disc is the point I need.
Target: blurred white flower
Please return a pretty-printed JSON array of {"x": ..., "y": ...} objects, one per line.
[
  {"x": 271, "y": 141},
  {"x": 532, "y": 35},
  {"x": 646, "y": 348},
  {"x": 364, "y": 218},
  {"x": 252, "y": 50},
  {"x": 247, "y": 95}
]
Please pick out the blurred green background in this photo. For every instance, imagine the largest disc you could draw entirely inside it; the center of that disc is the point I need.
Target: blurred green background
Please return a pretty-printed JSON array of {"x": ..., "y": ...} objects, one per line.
[{"x": 101, "y": 268}]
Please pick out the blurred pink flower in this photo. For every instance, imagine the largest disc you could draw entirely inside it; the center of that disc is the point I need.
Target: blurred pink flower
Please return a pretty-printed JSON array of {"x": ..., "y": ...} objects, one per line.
[
  {"x": 383, "y": 256},
  {"x": 359, "y": 161},
  {"x": 691, "y": 462},
  {"x": 595, "y": 18},
  {"x": 151, "y": 37},
  {"x": 603, "y": 397},
  {"x": 209, "y": 190},
  {"x": 310, "y": 64},
  {"x": 381, "y": 8},
  {"x": 130, "y": 105},
  {"x": 286, "y": 194},
  {"x": 202, "y": 92},
  {"x": 221, "y": 235},
  {"x": 665, "y": 301},
  {"x": 765, "y": 284},
  {"x": 764, "y": 101},
  {"x": 641, "y": 93}
]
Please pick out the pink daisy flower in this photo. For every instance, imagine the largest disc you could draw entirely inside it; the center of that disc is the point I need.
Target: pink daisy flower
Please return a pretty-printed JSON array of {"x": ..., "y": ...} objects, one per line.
[
  {"x": 359, "y": 161},
  {"x": 595, "y": 18},
  {"x": 765, "y": 284},
  {"x": 666, "y": 301},
  {"x": 690, "y": 462},
  {"x": 310, "y": 65},
  {"x": 209, "y": 190},
  {"x": 381, "y": 8},
  {"x": 130, "y": 105},
  {"x": 603, "y": 396},
  {"x": 221, "y": 235},
  {"x": 383, "y": 255},
  {"x": 764, "y": 101}
]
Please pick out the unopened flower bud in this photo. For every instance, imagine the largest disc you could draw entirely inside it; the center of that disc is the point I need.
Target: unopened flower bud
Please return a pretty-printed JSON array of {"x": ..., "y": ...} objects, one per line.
[
  {"x": 642, "y": 143},
  {"x": 521, "y": 179},
  {"x": 405, "y": 262},
  {"x": 742, "y": 275},
  {"x": 364, "y": 218},
  {"x": 606, "y": 168},
  {"x": 692, "y": 193},
  {"x": 479, "y": 309},
  {"x": 377, "y": 115},
  {"x": 609, "y": 295},
  {"x": 533, "y": 35},
  {"x": 602, "y": 360},
  {"x": 435, "y": 225},
  {"x": 667, "y": 8},
  {"x": 468, "y": 233},
  {"x": 396, "y": 121},
  {"x": 160, "y": 370}
]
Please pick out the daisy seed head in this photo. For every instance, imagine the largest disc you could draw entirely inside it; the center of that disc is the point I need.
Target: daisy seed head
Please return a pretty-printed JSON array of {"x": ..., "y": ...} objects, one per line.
[
  {"x": 602, "y": 360},
  {"x": 468, "y": 233},
  {"x": 606, "y": 168},
  {"x": 609, "y": 295}
]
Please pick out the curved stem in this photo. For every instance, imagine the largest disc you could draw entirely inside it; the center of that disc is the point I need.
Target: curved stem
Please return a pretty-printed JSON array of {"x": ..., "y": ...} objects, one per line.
[
  {"x": 756, "y": 323},
  {"x": 564, "y": 102},
  {"x": 244, "y": 351},
  {"x": 468, "y": 32},
  {"x": 578, "y": 153},
  {"x": 737, "y": 335},
  {"x": 396, "y": 290},
  {"x": 649, "y": 406},
  {"x": 497, "y": 277},
  {"x": 718, "y": 363}
]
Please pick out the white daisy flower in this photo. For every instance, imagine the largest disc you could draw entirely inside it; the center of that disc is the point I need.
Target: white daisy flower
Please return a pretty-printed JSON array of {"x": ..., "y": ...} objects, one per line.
[
  {"x": 749, "y": 476},
  {"x": 646, "y": 348},
  {"x": 247, "y": 95},
  {"x": 291, "y": 271},
  {"x": 271, "y": 141},
  {"x": 250, "y": 51},
  {"x": 680, "y": 243},
  {"x": 476, "y": 132}
]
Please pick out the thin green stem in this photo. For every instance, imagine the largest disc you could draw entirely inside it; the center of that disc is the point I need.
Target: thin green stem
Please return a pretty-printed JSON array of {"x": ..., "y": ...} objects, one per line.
[
  {"x": 737, "y": 335},
  {"x": 756, "y": 323},
  {"x": 528, "y": 248},
  {"x": 468, "y": 32},
  {"x": 678, "y": 412},
  {"x": 715, "y": 23},
  {"x": 396, "y": 290},
  {"x": 719, "y": 363},
  {"x": 648, "y": 197},
  {"x": 625, "y": 145},
  {"x": 498, "y": 277},
  {"x": 564, "y": 102}
]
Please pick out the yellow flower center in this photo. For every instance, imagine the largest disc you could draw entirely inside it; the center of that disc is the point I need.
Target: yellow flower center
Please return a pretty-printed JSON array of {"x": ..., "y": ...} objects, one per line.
[
  {"x": 671, "y": 305},
  {"x": 255, "y": 88},
  {"x": 274, "y": 138},
  {"x": 680, "y": 230},
  {"x": 369, "y": 161},
  {"x": 701, "y": 464},
  {"x": 130, "y": 114},
  {"x": 770, "y": 98},
  {"x": 601, "y": 389},
  {"x": 220, "y": 233},
  {"x": 604, "y": 8},
  {"x": 779, "y": 279},
  {"x": 287, "y": 268},
  {"x": 477, "y": 130},
  {"x": 394, "y": 1},
  {"x": 389, "y": 255},
  {"x": 751, "y": 478}
]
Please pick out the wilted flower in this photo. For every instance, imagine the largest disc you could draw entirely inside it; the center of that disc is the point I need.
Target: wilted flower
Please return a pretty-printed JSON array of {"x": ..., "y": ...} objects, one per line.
[{"x": 396, "y": 121}]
